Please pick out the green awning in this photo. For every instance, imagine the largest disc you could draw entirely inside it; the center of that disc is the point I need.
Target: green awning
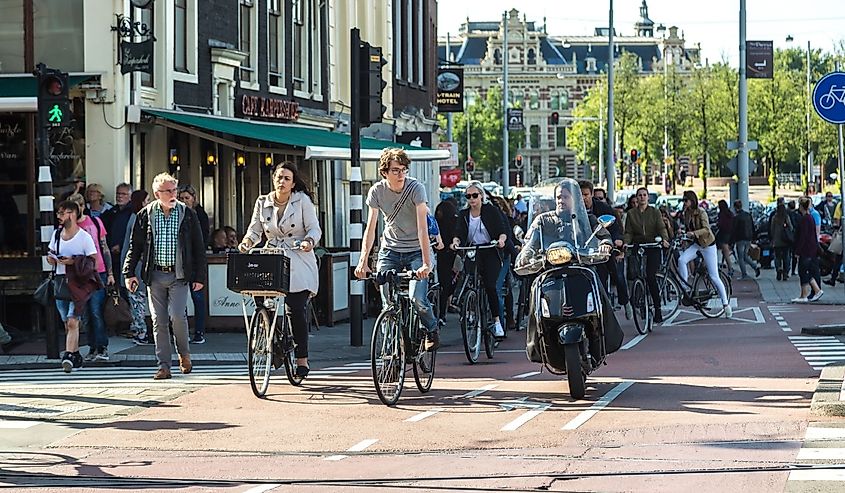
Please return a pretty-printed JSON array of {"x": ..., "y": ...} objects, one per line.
[
  {"x": 27, "y": 86},
  {"x": 276, "y": 133}
]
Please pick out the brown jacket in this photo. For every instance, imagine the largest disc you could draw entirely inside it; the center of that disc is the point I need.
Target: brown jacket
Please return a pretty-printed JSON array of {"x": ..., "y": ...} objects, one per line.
[
  {"x": 698, "y": 225},
  {"x": 83, "y": 281}
]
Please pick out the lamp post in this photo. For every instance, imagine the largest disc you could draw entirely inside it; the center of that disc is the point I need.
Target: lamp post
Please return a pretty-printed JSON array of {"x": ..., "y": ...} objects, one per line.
[
  {"x": 662, "y": 30},
  {"x": 610, "y": 169},
  {"x": 807, "y": 105}
]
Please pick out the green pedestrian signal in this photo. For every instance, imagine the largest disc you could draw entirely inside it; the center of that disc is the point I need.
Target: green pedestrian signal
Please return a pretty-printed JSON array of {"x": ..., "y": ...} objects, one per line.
[{"x": 55, "y": 114}]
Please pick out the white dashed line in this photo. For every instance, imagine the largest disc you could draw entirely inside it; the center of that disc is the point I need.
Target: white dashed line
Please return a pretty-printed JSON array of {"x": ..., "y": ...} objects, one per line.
[
  {"x": 598, "y": 406},
  {"x": 423, "y": 415},
  {"x": 633, "y": 342},
  {"x": 17, "y": 425},
  {"x": 358, "y": 447},
  {"x": 525, "y": 417},
  {"x": 262, "y": 488},
  {"x": 477, "y": 392},
  {"x": 526, "y": 375}
]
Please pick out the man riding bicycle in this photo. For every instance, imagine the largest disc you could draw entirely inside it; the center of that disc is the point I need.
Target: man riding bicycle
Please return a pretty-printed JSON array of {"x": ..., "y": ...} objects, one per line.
[
  {"x": 642, "y": 225},
  {"x": 404, "y": 243}
]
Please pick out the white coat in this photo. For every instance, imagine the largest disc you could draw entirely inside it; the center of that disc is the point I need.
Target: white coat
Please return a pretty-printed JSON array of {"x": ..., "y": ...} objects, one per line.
[{"x": 299, "y": 221}]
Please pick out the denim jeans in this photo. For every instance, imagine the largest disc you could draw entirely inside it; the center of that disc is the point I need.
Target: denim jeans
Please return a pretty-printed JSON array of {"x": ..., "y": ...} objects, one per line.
[
  {"x": 198, "y": 297},
  {"x": 97, "y": 336},
  {"x": 399, "y": 261},
  {"x": 743, "y": 258}
]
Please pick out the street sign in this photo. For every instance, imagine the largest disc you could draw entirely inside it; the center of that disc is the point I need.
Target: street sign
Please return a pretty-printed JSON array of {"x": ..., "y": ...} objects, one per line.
[
  {"x": 732, "y": 165},
  {"x": 515, "y": 119},
  {"x": 733, "y": 145},
  {"x": 829, "y": 97},
  {"x": 759, "y": 60}
]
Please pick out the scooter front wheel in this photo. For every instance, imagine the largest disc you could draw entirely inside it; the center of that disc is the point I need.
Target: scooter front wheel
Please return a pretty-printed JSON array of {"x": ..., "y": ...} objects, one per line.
[{"x": 574, "y": 372}]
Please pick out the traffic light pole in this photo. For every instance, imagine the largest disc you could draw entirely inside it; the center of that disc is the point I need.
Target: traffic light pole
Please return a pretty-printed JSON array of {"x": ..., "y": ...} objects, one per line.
[
  {"x": 742, "y": 157},
  {"x": 505, "y": 156},
  {"x": 356, "y": 291},
  {"x": 610, "y": 169}
]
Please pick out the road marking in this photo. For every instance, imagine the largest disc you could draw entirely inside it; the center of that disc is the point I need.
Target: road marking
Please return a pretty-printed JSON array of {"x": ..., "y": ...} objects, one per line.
[
  {"x": 786, "y": 329},
  {"x": 477, "y": 392},
  {"x": 821, "y": 454},
  {"x": 817, "y": 352},
  {"x": 633, "y": 342},
  {"x": 497, "y": 350},
  {"x": 598, "y": 406},
  {"x": 526, "y": 416},
  {"x": 526, "y": 375},
  {"x": 262, "y": 488},
  {"x": 423, "y": 415},
  {"x": 818, "y": 475},
  {"x": 814, "y": 433},
  {"x": 17, "y": 425},
  {"x": 358, "y": 447},
  {"x": 783, "y": 324}
]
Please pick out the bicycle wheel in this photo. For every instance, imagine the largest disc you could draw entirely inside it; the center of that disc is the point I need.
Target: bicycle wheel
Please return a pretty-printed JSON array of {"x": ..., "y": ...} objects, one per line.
[
  {"x": 471, "y": 325},
  {"x": 259, "y": 351},
  {"x": 387, "y": 357},
  {"x": 640, "y": 306},
  {"x": 423, "y": 363},
  {"x": 706, "y": 297},
  {"x": 288, "y": 351},
  {"x": 670, "y": 295}
]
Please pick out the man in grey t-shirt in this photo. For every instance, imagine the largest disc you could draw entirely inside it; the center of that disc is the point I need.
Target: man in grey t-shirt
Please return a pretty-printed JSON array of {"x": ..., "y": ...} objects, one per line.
[{"x": 405, "y": 242}]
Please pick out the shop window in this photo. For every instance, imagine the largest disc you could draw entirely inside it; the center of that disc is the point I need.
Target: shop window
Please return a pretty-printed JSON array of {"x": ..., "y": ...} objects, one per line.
[
  {"x": 11, "y": 36},
  {"x": 59, "y": 28},
  {"x": 13, "y": 184}
]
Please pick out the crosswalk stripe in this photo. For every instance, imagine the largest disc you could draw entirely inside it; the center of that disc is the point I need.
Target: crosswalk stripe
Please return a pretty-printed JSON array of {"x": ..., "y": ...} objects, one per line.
[
  {"x": 818, "y": 475},
  {"x": 821, "y": 454}
]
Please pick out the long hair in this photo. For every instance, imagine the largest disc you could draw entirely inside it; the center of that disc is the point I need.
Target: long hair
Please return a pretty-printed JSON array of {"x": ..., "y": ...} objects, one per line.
[
  {"x": 136, "y": 200},
  {"x": 691, "y": 196},
  {"x": 446, "y": 214},
  {"x": 298, "y": 183},
  {"x": 477, "y": 185}
]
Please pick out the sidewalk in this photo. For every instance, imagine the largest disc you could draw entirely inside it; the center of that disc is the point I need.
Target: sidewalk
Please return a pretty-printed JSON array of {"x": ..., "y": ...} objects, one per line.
[
  {"x": 327, "y": 345},
  {"x": 774, "y": 291}
]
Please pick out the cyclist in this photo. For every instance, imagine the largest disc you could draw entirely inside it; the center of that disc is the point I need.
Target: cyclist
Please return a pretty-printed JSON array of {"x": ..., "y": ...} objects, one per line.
[
  {"x": 405, "y": 242},
  {"x": 698, "y": 227},
  {"x": 643, "y": 224},
  {"x": 480, "y": 223},
  {"x": 283, "y": 215}
]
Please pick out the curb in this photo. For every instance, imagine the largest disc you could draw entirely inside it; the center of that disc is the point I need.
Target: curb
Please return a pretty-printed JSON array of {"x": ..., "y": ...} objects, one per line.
[
  {"x": 121, "y": 360},
  {"x": 824, "y": 330},
  {"x": 826, "y": 397}
]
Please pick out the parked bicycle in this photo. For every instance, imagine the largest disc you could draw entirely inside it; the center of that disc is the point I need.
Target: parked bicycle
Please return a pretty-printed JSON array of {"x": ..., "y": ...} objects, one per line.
[
  {"x": 476, "y": 327},
  {"x": 262, "y": 277},
  {"x": 399, "y": 339}
]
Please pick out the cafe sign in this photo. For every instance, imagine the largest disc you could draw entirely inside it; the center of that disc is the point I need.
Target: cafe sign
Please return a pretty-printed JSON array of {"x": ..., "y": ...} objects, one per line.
[{"x": 267, "y": 108}]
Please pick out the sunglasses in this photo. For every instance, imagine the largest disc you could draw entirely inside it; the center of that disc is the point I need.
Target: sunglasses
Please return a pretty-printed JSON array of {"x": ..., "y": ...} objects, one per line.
[{"x": 472, "y": 195}]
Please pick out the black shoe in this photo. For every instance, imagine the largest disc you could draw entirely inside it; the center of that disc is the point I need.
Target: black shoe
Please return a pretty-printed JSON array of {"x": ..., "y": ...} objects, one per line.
[
  {"x": 757, "y": 271},
  {"x": 302, "y": 371},
  {"x": 780, "y": 275},
  {"x": 432, "y": 341},
  {"x": 830, "y": 282},
  {"x": 658, "y": 317}
]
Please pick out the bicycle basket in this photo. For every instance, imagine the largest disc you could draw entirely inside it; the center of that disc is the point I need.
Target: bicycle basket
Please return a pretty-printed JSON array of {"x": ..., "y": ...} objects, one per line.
[{"x": 264, "y": 272}]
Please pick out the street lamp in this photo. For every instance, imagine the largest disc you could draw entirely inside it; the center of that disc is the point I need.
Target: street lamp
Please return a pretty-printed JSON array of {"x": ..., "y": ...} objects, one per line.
[
  {"x": 662, "y": 30},
  {"x": 789, "y": 39}
]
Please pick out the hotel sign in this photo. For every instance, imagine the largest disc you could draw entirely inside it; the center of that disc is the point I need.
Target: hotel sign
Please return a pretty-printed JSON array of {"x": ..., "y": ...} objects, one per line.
[{"x": 274, "y": 109}]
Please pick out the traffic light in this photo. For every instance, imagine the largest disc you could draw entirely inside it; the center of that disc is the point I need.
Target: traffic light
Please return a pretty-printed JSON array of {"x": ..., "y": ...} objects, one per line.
[
  {"x": 518, "y": 161},
  {"x": 469, "y": 166},
  {"x": 53, "y": 102},
  {"x": 634, "y": 155},
  {"x": 372, "y": 84},
  {"x": 555, "y": 119}
]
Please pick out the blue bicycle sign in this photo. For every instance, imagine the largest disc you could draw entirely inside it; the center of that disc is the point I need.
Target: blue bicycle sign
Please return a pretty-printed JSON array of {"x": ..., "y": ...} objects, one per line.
[{"x": 829, "y": 97}]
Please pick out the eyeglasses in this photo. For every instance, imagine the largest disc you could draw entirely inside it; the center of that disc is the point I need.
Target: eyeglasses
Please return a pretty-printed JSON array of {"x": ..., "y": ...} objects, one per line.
[
  {"x": 168, "y": 190},
  {"x": 472, "y": 195},
  {"x": 398, "y": 171}
]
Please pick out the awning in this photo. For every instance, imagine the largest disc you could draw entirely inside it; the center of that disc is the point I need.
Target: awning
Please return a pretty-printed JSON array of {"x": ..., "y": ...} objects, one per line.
[
  {"x": 19, "y": 93},
  {"x": 318, "y": 144}
]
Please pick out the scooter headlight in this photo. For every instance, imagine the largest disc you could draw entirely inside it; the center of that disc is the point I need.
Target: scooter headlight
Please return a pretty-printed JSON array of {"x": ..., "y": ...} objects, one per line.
[{"x": 559, "y": 256}]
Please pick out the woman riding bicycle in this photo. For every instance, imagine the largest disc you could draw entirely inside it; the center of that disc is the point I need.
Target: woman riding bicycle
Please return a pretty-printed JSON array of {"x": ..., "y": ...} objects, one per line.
[
  {"x": 480, "y": 223},
  {"x": 288, "y": 214},
  {"x": 698, "y": 227}
]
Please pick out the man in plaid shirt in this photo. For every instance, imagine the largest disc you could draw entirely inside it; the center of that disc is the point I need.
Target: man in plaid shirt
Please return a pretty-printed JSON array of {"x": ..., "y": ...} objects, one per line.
[{"x": 167, "y": 240}]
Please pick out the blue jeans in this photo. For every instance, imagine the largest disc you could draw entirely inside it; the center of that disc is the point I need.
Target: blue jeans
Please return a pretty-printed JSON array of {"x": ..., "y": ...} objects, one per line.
[
  {"x": 97, "y": 336},
  {"x": 399, "y": 261},
  {"x": 500, "y": 285},
  {"x": 198, "y": 297}
]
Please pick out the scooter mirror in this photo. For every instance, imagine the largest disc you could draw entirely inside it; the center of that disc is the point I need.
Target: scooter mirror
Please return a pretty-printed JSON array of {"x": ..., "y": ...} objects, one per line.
[
  {"x": 518, "y": 232},
  {"x": 606, "y": 220}
]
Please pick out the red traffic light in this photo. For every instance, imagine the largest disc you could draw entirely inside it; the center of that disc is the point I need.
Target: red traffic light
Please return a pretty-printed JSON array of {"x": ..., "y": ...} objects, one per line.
[
  {"x": 469, "y": 165},
  {"x": 53, "y": 86},
  {"x": 634, "y": 155}
]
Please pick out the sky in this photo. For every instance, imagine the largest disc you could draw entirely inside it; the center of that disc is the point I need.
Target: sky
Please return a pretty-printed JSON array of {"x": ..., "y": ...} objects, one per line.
[{"x": 713, "y": 23}]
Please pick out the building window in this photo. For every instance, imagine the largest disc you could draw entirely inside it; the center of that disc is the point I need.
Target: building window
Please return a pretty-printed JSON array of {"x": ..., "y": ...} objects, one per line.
[
  {"x": 534, "y": 102},
  {"x": 58, "y": 27},
  {"x": 398, "y": 37},
  {"x": 534, "y": 137},
  {"x": 11, "y": 36},
  {"x": 180, "y": 35},
  {"x": 246, "y": 44},
  {"x": 532, "y": 57},
  {"x": 307, "y": 45},
  {"x": 560, "y": 137},
  {"x": 275, "y": 41},
  {"x": 147, "y": 16},
  {"x": 497, "y": 56},
  {"x": 418, "y": 48},
  {"x": 409, "y": 43},
  {"x": 554, "y": 101}
]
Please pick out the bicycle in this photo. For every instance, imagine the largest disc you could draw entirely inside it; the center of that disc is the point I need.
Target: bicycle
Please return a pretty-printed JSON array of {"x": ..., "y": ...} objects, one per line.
[
  {"x": 475, "y": 326},
  {"x": 697, "y": 293},
  {"x": 640, "y": 298},
  {"x": 263, "y": 275},
  {"x": 398, "y": 339}
]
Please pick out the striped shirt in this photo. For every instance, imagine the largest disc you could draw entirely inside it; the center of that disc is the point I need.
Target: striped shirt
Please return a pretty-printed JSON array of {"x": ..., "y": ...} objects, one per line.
[{"x": 165, "y": 236}]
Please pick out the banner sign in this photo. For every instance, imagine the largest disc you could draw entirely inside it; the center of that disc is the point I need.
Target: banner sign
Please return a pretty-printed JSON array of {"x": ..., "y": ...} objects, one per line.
[
  {"x": 415, "y": 139},
  {"x": 759, "y": 60},
  {"x": 136, "y": 57},
  {"x": 452, "y": 147},
  {"x": 267, "y": 108},
  {"x": 450, "y": 177},
  {"x": 450, "y": 90}
]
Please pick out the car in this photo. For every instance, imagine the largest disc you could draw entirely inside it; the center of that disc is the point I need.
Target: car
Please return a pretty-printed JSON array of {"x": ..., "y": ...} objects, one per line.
[
  {"x": 670, "y": 201},
  {"x": 620, "y": 198}
]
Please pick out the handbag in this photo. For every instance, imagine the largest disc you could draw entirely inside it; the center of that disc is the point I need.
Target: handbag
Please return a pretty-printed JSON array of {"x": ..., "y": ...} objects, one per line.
[
  {"x": 44, "y": 292},
  {"x": 836, "y": 243},
  {"x": 789, "y": 233},
  {"x": 61, "y": 289},
  {"x": 458, "y": 264},
  {"x": 116, "y": 310}
]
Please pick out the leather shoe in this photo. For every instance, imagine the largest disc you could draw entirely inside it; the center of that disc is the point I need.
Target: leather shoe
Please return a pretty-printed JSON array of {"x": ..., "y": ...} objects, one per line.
[
  {"x": 185, "y": 363},
  {"x": 162, "y": 374}
]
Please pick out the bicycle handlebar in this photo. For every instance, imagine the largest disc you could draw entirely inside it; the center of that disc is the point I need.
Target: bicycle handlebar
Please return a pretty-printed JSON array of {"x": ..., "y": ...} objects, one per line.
[
  {"x": 297, "y": 245},
  {"x": 492, "y": 244},
  {"x": 644, "y": 245}
]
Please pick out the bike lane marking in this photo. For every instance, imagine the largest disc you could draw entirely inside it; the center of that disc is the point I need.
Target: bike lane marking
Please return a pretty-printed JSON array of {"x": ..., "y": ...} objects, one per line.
[
  {"x": 425, "y": 414},
  {"x": 598, "y": 406},
  {"x": 526, "y": 375},
  {"x": 536, "y": 409},
  {"x": 476, "y": 392},
  {"x": 633, "y": 342},
  {"x": 262, "y": 488},
  {"x": 358, "y": 447}
]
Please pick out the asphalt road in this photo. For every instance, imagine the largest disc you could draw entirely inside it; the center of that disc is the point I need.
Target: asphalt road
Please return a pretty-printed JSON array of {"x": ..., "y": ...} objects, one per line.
[{"x": 707, "y": 405}]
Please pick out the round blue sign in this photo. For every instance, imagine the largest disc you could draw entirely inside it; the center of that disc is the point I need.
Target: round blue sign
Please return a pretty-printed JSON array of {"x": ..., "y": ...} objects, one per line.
[{"x": 829, "y": 97}]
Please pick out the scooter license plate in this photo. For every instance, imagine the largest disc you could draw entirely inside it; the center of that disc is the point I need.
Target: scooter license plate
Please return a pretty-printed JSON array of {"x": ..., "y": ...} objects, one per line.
[{"x": 764, "y": 253}]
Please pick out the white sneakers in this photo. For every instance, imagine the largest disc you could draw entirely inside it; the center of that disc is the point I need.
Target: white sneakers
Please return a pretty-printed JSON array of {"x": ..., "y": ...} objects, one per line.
[
  {"x": 799, "y": 300},
  {"x": 729, "y": 312},
  {"x": 498, "y": 331},
  {"x": 629, "y": 312}
]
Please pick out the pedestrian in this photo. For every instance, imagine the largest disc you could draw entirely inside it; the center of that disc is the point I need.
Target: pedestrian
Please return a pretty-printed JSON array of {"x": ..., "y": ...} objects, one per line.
[
  {"x": 782, "y": 236},
  {"x": 446, "y": 214},
  {"x": 807, "y": 249},
  {"x": 137, "y": 299},
  {"x": 481, "y": 223},
  {"x": 219, "y": 242},
  {"x": 795, "y": 216},
  {"x": 188, "y": 196},
  {"x": 115, "y": 220},
  {"x": 697, "y": 227},
  {"x": 167, "y": 241},
  {"x": 503, "y": 282},
  {"x": 98, "y": 337},
  {"x": 743, "y": 233},
  {"x": 520, "y": 206},
  {"x": 284, "y": 215},
  {"x": 405, "y": 244},
  {"x": 724, "y": 224},
  {"x": 231, "y": 237},
  {"x": 836, "y": 271},
  {"x": 96, "y": 200},
  {"x": 70, "y": 245}
]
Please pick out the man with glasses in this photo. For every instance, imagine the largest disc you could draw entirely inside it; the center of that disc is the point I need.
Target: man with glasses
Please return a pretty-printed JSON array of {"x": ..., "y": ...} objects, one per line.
[
  {"x": 600, "y": 194},
  {"x": 167, "y": 240},
  {"x": 404, "y": 243}
]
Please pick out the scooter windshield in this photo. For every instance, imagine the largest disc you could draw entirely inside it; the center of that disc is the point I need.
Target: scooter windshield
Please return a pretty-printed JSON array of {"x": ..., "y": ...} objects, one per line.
[{"x": 568, "y": 223}]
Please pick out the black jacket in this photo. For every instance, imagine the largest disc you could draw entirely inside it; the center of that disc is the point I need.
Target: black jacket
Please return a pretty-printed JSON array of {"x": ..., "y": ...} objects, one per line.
[
  {"x": 600, "y": 209},
  {"x": 492, "y": 218},
  {"x": 115, "y": 221},
  {"x": 204, "y": 226},
  {"x": 743, "y": 229},
  {"x": 190, "y": 254}
]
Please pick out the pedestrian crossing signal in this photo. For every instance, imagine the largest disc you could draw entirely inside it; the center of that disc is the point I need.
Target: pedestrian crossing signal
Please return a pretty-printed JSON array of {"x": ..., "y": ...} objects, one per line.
[{"x": 53, "y": 101}]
